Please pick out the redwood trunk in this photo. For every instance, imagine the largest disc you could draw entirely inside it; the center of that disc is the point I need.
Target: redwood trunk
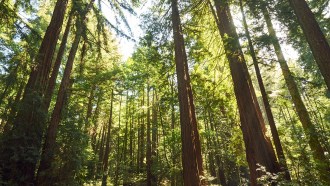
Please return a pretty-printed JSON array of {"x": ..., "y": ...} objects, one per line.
[
  {"x": 315, "y": 37},
  {"x": 191, "y": 150},
  {"x": 57, "y": 64},
  {"x": 107, "y": 147},
  {"x": 150, "y": 177},
  {"x": 154, "y": 133},
  {"x": 50, "y": 141},
  {"x": 142, "y": 140},
  {"x": 270, "y": 117},
  {"x": 257, "y": 145},
  {"x": 29, "y": 123},
  {"x": 48, "y": 148},
  {"x": 309, "y": 129}
]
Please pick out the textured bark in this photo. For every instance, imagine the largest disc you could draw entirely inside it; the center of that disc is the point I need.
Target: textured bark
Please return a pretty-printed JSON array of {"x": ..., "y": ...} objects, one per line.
[
  {"x": 25, "y": 140},
  {"x": 309, "y": 129},
  {"x": 191, "y": 150},
  {"x": 270, "y": 117},
  {"x": 258, "y": 147},
  {"x": 57, "y": 64},
  {"x": 47, "y": 156},
  {"x": 315, "y": 37},
  {"x": 107, "y": 146},
  {"x": 49, "y": 145}
]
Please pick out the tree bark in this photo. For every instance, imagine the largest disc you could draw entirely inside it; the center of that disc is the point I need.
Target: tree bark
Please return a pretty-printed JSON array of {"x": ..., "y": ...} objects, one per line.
[
  {"x": 309, "y": 129},
  {"x": 131, "y": 137},
  {"x": 118, "y": 155},
  {"x": 50, "y": 141},
  {"x": 315, "y": 37},
  {"x": 258, "y": 147},
  {"x": 107, "y": 146},
  {"x": 142, "y": 140},
  {"x": 154, "y": 132},
  {"x": 270, "y": 117},
  {"x": 101, "y": 150},
  {"x": 25, "y": 140},
  {"x": 191, "y": 149},
  {"x": 150, "y": 176},
  {"x": 57, "y": 64}
]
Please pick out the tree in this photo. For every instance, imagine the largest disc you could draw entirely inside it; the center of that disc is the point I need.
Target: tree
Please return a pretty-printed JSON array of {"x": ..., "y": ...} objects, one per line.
[
  {"x": 48, "y": 148},
  {"x": 115, "y": 121},
  {"x": 191, "y": 148},
  {"x": 270, "y": 117},
  {"x": 24, "y": 141},
  {"x": 56, "y": 67},
  {"x": 259, "y": 151},
  {"x": 309, "y": 128},
  {"x": 107, "y": 146},
  {"x": 315, "y": 37}
]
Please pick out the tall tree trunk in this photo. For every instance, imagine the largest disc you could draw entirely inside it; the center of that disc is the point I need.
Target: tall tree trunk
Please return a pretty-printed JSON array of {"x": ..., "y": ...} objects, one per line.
[
  {"x": 142, "y": 153},
  {"x": 50, "y": 141},
  {"x": 131, "y": 137},
  {"x": 48, "y": 148},
  {"x": 211, "y": 152},
  {"x": 101, "y": 150},
  {"x": 258, "y": 147},
  {"x": 90, "y": 109},
  {"x": 125, "y": 142},
  {"x": 309, "y": 128},
  {"x": 57, "y": 64},
  {"x": 107, "y": 146},
  {"x": 139, "y": 143},
  {"x": 29, "y": 123},
  {"x": 150, "y": 180},
  {"x": 95, "y": 123},
  {"x": 154, "y": 132},
  {"x": 118, "y": 155},
  {"x": 315, "y": 37},
  {"x": 191, "y": 148},
  {"x": 270, "y": 117}
]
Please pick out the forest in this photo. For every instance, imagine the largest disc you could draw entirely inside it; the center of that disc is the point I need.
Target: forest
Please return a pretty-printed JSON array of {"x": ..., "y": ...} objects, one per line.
[{"x": 214, "y": 92}]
